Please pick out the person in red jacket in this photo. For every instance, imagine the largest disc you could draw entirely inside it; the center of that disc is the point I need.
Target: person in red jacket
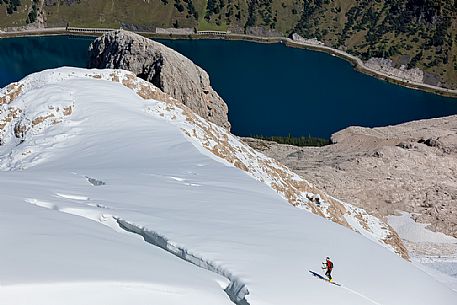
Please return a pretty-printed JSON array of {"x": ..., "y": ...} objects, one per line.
[{"x": 329, "y": 266}]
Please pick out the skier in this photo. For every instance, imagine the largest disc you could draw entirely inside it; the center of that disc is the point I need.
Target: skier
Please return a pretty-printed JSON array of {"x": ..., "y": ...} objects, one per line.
[{"x": 329, "y": 266}]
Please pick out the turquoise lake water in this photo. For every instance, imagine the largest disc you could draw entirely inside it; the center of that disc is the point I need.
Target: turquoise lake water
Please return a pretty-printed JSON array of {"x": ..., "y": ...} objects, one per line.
[{"x": 270, "y": 89}]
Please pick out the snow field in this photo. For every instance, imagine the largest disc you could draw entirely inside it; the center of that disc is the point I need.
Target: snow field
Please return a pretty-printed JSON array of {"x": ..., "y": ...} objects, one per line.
[{"x": 149, "y": 234}]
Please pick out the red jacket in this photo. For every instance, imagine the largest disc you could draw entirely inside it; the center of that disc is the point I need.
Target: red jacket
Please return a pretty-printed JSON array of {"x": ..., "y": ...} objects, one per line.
[{"x": 329, "y": 265}]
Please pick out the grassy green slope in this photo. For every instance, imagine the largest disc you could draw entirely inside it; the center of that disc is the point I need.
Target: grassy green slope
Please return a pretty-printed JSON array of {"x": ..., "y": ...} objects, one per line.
[
  {"x": 417, "y": 33},
  {"x": 114, "y": 13},
  {"x": 18, "y": 17}
]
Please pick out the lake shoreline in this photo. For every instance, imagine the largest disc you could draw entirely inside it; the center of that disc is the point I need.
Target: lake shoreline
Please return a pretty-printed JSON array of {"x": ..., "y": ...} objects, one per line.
[{"x": 356, "y": 62}]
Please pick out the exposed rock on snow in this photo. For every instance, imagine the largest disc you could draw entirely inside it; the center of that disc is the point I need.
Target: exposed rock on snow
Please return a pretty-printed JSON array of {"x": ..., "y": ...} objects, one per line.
[
  {"x": 95, "y": 182},
  {"x": 168, "y": 70}
]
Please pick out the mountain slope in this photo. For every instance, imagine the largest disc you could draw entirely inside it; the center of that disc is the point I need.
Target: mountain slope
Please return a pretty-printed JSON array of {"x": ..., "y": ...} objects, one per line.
[
  {"x": 413, "y": 33},
  {"x": 94, "y": 167},
  {"x": 385, "y": 169},
  {"x": 16, "y": 122}
]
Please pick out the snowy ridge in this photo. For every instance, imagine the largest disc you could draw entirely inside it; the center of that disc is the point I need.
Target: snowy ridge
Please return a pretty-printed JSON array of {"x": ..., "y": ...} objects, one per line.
[
  {"x": 209, "y": 138},
  {"x": 297, "y": 191},
  {"x": 29, "y": 117},
  {"x": 129, "y": 168}
]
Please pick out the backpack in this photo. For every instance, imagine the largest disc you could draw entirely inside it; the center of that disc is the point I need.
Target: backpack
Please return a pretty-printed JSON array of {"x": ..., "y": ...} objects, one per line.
[{"x": 329, "y": 265}]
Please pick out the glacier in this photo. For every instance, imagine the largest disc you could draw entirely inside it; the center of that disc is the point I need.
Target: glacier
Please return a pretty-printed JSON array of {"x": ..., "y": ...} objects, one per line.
[{"x": 113, "y": 194}]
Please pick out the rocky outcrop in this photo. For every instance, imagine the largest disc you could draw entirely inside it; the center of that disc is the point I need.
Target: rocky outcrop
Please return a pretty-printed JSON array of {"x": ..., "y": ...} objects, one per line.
[
  {"x": 262, "y": 31},
  {"x": 175, "y": 31},
  {"x": 312, "y": 41},
  {"x": 168, "y": 70},
  {"x": 410, "y": 167},
  {"x": 387, "y": 67}
]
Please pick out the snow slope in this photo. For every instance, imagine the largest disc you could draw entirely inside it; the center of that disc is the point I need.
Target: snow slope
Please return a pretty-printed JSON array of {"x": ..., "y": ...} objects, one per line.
[{"x": 114, "y": 194}]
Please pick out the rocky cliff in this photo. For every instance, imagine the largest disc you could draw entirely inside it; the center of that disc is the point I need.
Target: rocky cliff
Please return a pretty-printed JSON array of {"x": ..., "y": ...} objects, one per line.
[
  {"x": 410, "y": 167},
  {"x": 168, "y": 70}
]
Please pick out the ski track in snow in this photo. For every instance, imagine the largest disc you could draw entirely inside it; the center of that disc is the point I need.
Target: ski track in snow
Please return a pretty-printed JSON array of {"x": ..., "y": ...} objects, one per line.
[
  {"x": 315, "y": 274},
  {"x": 236, "y": 290},
  {"x": 360, "y": 295}
]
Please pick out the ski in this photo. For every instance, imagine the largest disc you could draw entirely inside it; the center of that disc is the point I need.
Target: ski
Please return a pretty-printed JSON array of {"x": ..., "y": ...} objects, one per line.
[{"x": 315, "y": 274}]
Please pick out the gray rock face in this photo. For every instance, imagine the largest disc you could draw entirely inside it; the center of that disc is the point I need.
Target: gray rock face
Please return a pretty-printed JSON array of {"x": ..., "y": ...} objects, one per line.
[
  {"x": 410, "y": 167},
  {"x": 170, "y": 71}
]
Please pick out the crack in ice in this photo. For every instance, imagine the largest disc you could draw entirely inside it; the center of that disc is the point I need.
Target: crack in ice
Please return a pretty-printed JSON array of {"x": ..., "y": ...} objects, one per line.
[{"x": 236, "y": 290}]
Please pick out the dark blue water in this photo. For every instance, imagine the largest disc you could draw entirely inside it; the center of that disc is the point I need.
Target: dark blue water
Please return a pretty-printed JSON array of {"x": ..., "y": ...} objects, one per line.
[
  {"x": 21, "y": 56},
  {"x": 270, "y": 89},
  {"x": 276, "y": 90}
]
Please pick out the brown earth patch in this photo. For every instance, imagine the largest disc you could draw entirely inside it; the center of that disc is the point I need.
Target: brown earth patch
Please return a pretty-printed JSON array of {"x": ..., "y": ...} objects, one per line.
[
  {"x": 41, "y": 119},
  {"x": 12, "y": 92},
  {"x": 67, "y": 110}
]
